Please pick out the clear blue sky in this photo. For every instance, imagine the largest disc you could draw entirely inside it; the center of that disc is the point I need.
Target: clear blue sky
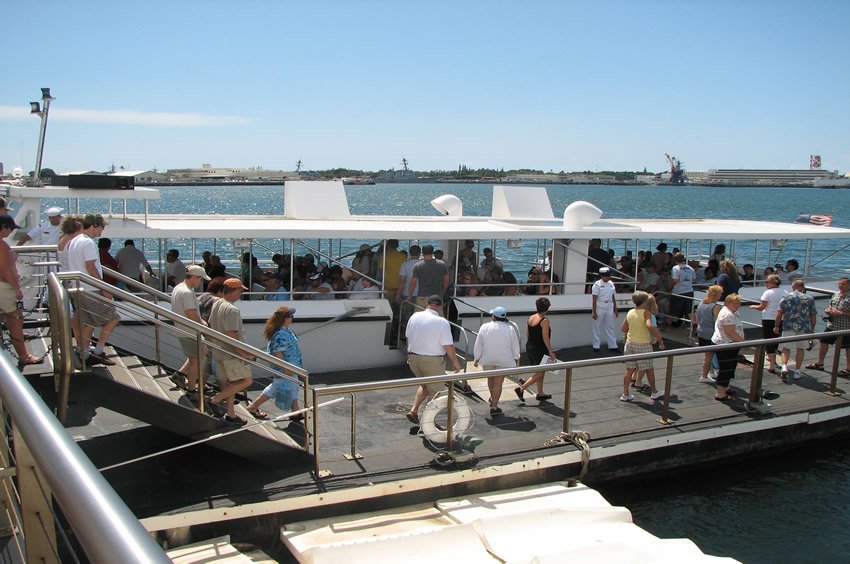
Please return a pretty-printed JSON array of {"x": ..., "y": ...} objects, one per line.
[{"x": 552, "y": 85}]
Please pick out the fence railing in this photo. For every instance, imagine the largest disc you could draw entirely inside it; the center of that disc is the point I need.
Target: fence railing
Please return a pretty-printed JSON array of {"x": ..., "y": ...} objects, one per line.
[{"x": 753, "y": 404}]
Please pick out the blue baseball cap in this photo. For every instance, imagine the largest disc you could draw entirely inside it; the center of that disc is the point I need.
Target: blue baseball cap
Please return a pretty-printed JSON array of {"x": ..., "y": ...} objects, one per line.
[{"x": 499, "y": 312}]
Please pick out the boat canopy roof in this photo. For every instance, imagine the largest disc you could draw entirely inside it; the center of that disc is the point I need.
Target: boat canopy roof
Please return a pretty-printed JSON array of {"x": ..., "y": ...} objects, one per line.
[{"x": 319, "y": 210}]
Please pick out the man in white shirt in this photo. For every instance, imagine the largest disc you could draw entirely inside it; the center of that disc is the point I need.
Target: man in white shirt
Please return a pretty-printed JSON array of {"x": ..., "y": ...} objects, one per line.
[
  {"x": 496, "y": 346},
  {"x": 604, "y": 311},
  {"x": 185, "y": 303},
  {"x": 46, "y": 233},
  {"x": 429, "y": 340},
  {"x": 682, "y": 278},
  {"x": 91, "y": 311},
  {"x": 175, "y": 269}
]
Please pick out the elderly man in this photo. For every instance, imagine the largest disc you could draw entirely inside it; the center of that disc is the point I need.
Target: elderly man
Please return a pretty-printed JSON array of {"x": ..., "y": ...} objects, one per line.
[
  {"x": 46, "y": 233},
  {"x": 131, "y": 261},
  {"x": 175, "y": 269},
  {"x": 795, "y": 315},
  {"x": 429, "y": 339},
  {"x": 234, "y": 374},
  {"x": 185, "y": 303},
  {"x": 838, "y": 313},
  {"x": 490, "y": 266},
  {"x": 604, "y": 311}
]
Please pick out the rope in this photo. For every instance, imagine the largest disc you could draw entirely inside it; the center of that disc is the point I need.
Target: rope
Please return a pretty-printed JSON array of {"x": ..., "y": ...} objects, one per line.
[{"x": 580, "y": 439}]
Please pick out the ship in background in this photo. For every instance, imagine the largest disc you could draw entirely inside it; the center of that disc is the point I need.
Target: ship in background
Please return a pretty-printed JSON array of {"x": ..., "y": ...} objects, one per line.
[{"x": 403, "y": 176}]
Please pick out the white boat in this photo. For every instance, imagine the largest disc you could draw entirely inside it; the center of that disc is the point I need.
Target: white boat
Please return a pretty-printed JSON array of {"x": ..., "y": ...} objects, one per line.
[{"x": 521, "y": 216}]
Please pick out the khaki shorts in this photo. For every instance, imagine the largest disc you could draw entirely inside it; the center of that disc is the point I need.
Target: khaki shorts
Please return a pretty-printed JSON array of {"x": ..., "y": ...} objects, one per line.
[
  {"x": 8, "y": 300},
  {"x": 190, "y": 347},
  {"x": 94, "y": 311},
  {"x": 231, "y": 369},
  {"x": 422, "y": 365}
]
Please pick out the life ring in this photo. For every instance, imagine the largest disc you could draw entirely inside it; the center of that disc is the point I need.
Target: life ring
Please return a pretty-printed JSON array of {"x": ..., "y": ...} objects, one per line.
[{"x": 462, "y": 419}]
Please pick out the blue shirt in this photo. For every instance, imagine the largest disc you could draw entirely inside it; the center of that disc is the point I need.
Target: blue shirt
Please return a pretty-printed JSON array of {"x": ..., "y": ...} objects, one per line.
[
  {"x": 797, "y": 310},
  {"x": 285, "y": 341}
]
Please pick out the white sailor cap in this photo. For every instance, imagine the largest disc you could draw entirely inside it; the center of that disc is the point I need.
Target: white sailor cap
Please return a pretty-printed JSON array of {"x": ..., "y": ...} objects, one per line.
[
  {"x": 604, "y": 271},
  {"x": 54, "y": 211}
]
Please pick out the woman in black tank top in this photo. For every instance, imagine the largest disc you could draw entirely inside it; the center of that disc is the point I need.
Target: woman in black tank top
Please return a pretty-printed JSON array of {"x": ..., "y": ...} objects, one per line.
[{"x": 537, "y": 346}]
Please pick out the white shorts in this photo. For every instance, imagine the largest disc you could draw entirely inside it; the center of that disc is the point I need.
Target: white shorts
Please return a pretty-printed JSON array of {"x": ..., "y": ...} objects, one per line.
[{"x": 802, "y": 344}]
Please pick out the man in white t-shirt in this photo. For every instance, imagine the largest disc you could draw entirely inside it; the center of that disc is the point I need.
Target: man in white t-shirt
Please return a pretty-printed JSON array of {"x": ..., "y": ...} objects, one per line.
[
  {"x": 768, "y": 305},
  {"x": 682, "y": 278},
  {"x": 91, "y": 310},
  {"x": 185, "y": 303},
  {"x": 429, "y": 340},
  {"x": 175, "y": 269}
]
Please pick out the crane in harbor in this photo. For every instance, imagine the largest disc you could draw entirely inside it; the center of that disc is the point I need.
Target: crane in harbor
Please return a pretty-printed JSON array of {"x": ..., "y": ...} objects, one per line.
[{"x": 677, "y": 173}]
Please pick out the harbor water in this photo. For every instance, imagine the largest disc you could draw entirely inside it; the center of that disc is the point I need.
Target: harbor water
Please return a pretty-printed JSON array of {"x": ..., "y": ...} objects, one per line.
[{"x": 788, "y": 506}]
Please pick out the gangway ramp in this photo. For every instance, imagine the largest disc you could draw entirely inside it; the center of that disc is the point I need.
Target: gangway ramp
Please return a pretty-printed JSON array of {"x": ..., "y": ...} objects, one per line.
[{"x": 131, "y": 389}]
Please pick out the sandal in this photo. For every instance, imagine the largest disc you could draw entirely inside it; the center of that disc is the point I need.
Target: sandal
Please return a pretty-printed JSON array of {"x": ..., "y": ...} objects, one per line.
[
  {"x": 772, "y": 370},
  {"x": 724, "y": 398},
  {"x": 258, "y": 414},
  {"x": 235, "y": 420},
  {"x": 28, "y": 361},
  {"x": 815, "y": 366},
  {"x": 844, "y": 373}
]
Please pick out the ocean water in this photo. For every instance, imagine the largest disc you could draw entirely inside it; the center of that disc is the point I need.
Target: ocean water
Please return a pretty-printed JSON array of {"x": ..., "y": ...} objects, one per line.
[{"x": 791, "y": 506}]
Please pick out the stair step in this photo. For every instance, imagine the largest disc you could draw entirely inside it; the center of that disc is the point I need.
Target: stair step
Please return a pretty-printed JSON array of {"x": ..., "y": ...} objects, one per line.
[{"x": 216, "y": 550}]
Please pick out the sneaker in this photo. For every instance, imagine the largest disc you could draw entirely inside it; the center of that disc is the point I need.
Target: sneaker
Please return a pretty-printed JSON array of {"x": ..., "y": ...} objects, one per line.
[
  {"x": 518, "y": 392},
  {"x": 797, "y": 374},
  {"x": 495, "y": 411},
  {"x": 626, "y": 397},
  {"x": 707, "y": 379},
  {"x": 784, "y": 374},
  {"x": 657, "y": 395},
  {"x": 543, "y": 397}
]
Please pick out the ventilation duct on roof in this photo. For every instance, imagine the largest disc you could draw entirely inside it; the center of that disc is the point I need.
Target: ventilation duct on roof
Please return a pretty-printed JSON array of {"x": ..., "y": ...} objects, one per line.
[
  {"x": 448, "y": 204},
  {"x": 579, "y": 215}
]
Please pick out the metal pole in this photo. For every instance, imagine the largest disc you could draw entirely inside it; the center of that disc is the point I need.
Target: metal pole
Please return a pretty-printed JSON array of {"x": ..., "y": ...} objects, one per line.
[
  {"x": 568, "y": 388},
  {"x": 449, "y": 407},
  {"x": 668, "y": 383},
  {"x": 352, "y": 451},
  {"x": 45, "y": 98}
]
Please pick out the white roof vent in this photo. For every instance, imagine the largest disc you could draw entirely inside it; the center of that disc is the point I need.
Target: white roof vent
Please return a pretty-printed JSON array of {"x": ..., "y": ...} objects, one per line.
[
  {"x": 315, "y": 199},
  {"x": 448, "y": 204},
  {"x": 580, "y": 214},
  {"x": 526, "y": 202}
]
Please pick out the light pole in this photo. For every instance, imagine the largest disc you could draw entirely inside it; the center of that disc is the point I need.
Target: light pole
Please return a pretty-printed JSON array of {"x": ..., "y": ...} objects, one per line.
[{"x": 36, "y": 109}]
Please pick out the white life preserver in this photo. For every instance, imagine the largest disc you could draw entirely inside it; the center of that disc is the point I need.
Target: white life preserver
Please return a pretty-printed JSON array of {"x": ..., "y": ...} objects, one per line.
[{"x": 462, "y": 419}]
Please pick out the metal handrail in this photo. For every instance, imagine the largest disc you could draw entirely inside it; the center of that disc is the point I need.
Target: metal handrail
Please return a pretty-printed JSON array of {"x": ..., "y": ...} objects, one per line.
[
  {"x": 568, "y": 367},
  {"x": 137, "y": 284},
  {"x": 106, "y": 528}
]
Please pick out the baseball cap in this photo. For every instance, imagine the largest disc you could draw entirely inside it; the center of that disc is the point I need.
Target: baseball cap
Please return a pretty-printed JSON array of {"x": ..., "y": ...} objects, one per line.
[
  {"x": 435, "y": 300},
  {"x": 233, "y": 283},
  {"x": 54, "y": 211},
  {"x": 196, "y": 270},
  {"x": 315, "y": 276},
  {"x": 499, "y": 312}
]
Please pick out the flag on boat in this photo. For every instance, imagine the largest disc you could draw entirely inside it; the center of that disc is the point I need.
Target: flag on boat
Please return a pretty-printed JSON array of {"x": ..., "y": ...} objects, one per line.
[{"x": 814, "y": 219}]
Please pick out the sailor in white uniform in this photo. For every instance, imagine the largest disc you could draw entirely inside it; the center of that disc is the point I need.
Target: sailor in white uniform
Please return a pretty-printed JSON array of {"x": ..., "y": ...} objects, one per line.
[
  {"x": 46, "y": 233},
  {"x": 604, "y": 310}
]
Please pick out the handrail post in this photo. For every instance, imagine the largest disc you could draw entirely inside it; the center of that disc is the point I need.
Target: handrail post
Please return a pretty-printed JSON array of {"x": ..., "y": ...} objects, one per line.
[
  {"x": 307, "y": 431},
  {"x": 568, "y": 390},
  {"x": 668, "y": 383},
  {"x": 61, "y": 346},
  {"x": 352, "y": 452},
  {"x": 449, "y": 407},
  {"x": 836, "y": 359},
  {"x": 319, "y": 473},
  {"x": 201, "y": 364},
  {"x": 755, "y": 380}
]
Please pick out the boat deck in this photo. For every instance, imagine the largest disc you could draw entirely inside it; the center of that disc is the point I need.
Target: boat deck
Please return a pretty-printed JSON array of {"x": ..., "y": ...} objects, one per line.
[{"x": 201, "y": 479}]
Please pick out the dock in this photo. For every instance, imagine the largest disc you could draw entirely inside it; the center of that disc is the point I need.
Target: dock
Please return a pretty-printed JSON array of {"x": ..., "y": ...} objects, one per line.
[{"x": 386, "y": 462}]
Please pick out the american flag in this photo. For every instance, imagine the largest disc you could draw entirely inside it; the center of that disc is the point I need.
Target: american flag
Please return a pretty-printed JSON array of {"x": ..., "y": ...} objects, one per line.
[{"x": 824, "y": 220}]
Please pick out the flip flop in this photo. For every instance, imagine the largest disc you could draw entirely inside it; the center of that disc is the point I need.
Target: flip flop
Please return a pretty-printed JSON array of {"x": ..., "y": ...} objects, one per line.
[
  {"x": 845, "y": 373},
  {"x": 259, "y": 414},
  {"x": 815, "y": 366},
  {"x": 235, "y": 420},
  {"x": 29, "y": 360},
  {"x": 772, "y": 370},
  {"x": 724, "y": 398}
]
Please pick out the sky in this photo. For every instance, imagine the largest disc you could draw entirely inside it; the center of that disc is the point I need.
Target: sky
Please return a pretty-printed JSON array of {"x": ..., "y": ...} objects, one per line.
[{"x": 549, "y": 85}]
